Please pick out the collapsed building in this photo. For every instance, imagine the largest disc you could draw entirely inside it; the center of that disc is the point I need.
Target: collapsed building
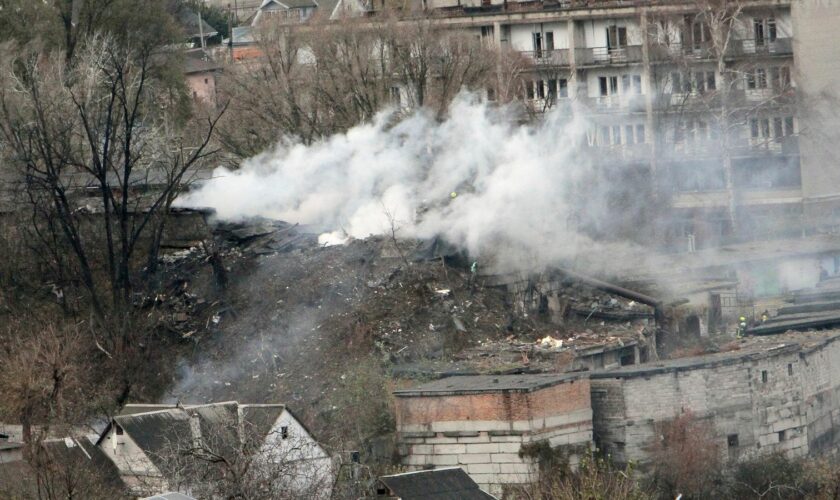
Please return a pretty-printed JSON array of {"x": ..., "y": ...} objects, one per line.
[{"x": 762, "y": 395}]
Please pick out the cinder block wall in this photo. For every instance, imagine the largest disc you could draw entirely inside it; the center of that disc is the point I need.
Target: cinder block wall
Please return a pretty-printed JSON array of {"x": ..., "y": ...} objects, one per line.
[
  {"x": 483, "y": 433},
  {"x": 785, "y": 399}
]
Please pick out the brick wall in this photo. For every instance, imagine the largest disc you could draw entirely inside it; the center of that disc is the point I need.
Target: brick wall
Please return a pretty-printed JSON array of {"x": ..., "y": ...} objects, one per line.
[{"x": 483, "y": 433}]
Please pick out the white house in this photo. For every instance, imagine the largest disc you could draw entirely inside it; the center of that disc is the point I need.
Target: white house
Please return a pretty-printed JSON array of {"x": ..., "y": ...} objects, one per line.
[{"x": 156, "y": 448}]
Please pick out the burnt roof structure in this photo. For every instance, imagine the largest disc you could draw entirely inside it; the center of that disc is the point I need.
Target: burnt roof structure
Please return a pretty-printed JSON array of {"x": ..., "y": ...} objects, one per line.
[{"x": 439, "y": 484}]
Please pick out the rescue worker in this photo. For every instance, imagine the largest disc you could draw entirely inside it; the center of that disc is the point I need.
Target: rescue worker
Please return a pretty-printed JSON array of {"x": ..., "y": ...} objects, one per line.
[{"x": 742, "y": 326}]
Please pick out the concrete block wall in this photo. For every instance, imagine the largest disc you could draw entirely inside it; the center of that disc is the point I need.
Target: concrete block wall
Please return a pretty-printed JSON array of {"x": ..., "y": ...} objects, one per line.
[
  {"x": 484, "y": 433},
  {"x": 787, "y": 399}
]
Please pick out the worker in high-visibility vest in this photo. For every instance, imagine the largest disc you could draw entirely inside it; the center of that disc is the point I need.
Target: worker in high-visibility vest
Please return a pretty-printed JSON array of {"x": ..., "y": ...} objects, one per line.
[{"x": 742, "y": 326}]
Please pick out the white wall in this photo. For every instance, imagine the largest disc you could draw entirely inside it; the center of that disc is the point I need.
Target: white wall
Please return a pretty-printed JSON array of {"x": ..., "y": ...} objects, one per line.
[
  {"x": 595, "y": 31},
  {"x": 521, "y": 35}
]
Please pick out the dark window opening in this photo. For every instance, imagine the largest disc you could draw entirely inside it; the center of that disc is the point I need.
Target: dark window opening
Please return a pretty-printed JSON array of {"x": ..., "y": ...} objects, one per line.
[
  {"x": 529, "y": 90},
  {"x": 781, "y": 436},
  {"x": 549, "y": 40},
  {"x": 538, "y": 45},
  {"x": 284, "y": 432},
  {"x": 790, "y": 369},
  {"x": 120, "y": 431},
  {"x": 616, "y": 37},
  {"x": 628, "y": 359},
  {"x": 732, "y": 440},
  {"x": 764, "y": 376},
  {"x": 563, "y": 87}
]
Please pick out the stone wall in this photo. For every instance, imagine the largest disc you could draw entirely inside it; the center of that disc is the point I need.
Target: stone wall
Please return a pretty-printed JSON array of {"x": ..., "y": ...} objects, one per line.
[
  {"x": 484, "y": 432},
  {"x": 784, "y": 398}
]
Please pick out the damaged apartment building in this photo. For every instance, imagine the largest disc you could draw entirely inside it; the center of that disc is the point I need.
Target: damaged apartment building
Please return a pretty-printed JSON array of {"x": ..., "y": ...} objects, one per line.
[{"x": 720, "y": 114}]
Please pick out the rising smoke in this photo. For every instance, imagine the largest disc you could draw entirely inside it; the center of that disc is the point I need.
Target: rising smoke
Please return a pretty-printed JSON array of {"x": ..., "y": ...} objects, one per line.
[{"x": 505, "y": 192}]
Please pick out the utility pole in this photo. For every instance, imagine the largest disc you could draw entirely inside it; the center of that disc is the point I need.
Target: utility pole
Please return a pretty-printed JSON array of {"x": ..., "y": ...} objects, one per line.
[
  {"x": 201, "y": 28},
  {"x": 230, "y": 33}
]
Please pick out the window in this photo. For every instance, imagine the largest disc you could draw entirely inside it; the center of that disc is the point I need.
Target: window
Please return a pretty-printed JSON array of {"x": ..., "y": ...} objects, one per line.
[
  {"x": 781, "y": 436},
  {"x": 790, "y": 369},
  {"x": 789, "y": 125},
  {"x": 616, "y": 37},
  {"x": 608, "y": 85},
  {"x": 625, "y": 84},
  {"x": 778, "y": 131},
  {"x": 732, "y": 440},
  {"x": 119, "y": 430},
  {"x": 616, "y": 135},
  {"x": 529, "y": 89},
  {"x": 700, "y": 34},
  {"x": 284, "y": 432},
  {"x": 395, "y": 96},
  {"x": 710, "y": 80},
  {"x": 757, "y": 78},
  {"x": 764, "y": 30},
  {"x": 549, "y": 40},
  {"x": 563, "y": 87},
  {"x": 640, "y": 134},
  {"x": 761, "y": 78},
  {"x": 637, "y": 84},
  {"x": 676, "y": 83},
  {"x": 540, "y": 88},
  {"x": 764, "y": 376},
  {"x": 538, "y": 44},
  {"x": 552, "y": 89},
  {"x": 628, "y": 134}
]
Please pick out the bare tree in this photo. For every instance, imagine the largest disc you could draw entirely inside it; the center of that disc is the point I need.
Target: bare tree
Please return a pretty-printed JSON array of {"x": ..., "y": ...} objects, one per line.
[{"x": 710, "y": 98}]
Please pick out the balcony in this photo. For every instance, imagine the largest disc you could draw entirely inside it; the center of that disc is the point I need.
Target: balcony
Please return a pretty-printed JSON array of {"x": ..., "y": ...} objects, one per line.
[
  {"x": 784, "y": 146},
  {"x": 749, "y": 47},
  {"x": 676, "y": 51},
  {"x": 626, "y": 153},
  {"x": 556, "y": 57},
  {"x": 628, "y": 104},
  {"x": 599, "y": 56}
]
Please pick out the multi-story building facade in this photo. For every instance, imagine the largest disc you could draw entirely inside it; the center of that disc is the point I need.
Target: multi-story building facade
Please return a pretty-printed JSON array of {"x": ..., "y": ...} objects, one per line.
[{"x": 695, "y": 104}]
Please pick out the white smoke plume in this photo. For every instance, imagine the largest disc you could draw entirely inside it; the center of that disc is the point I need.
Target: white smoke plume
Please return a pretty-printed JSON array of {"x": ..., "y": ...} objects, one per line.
[{"x": 479, "y": 180}]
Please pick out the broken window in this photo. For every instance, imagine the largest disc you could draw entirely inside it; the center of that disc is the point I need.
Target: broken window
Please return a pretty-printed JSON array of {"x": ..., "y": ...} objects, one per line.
[
  {"x": 119, "y": 430},
  {"x": 616, "y": 37},
  {"x": 284, "y": 432},
  {"x": 781, "y": 436},
  {"x": 790, "y": 369},
  {"x": 732, "y": 440},
  {"x": 552, "y": 90},
  {"x": 540, "y": 89},
  {"x": 529, "y": 90},
  {"x": 764, "y": 376},
  {"x": 549, "y": 40}
]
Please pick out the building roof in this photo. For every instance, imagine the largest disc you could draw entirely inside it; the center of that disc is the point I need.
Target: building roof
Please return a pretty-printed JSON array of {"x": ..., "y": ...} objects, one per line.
[
  {"x": 198, "y": 61},
  {"x": 170, "y": 495},
  {"x": 189, "y": 21},
  {"x": 750, "y": 348},
  {"x": 82, "y": 451},
  {"x": 438, "y": 484},
  {"x": 158, "y": 429},
  {"x": 475, "y": 384}
]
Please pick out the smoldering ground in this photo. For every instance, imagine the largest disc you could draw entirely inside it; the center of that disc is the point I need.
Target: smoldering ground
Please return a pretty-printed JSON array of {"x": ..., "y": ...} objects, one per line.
[{"x": 523, "y": 196}]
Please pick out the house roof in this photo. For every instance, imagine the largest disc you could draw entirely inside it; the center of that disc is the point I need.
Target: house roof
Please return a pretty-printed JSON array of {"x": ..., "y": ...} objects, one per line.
[
  {"x": 82, "y": 450},
  {"x": 189, "y": 21},
  {"x": 157, "y": 433},
  {"x": 198, "y": 61},
  {"x": 158, "y": 429},
  {"x": 473, "y": 384},
  {"x": 170, "y": 495},
  {"x": 438, "y": 484},
  {"x": 287, "y": 4}
]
